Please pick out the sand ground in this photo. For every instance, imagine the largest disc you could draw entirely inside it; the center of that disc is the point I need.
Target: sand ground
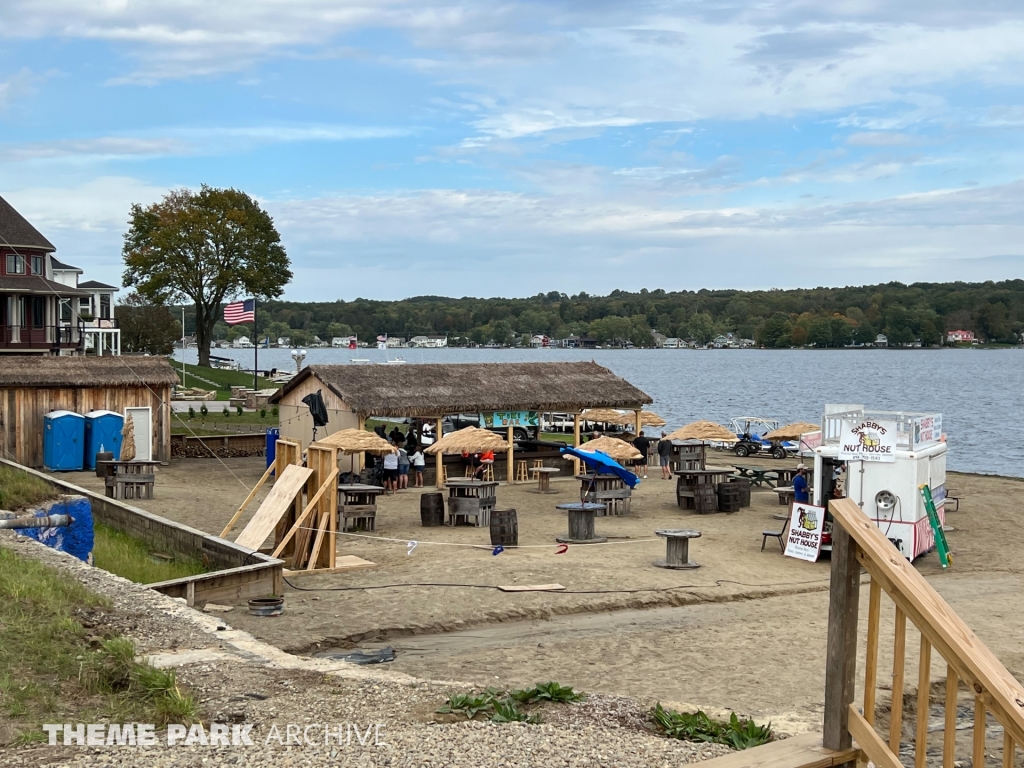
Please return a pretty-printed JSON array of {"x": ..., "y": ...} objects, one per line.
[{"x": 746, "y": 631}]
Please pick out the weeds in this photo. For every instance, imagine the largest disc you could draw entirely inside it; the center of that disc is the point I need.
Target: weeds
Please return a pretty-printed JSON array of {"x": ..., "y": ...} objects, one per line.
[
  {"x": 20, "y": 490},
  {"x": 129, "y": 557},
  {"x": 698, "y": 726},
  {"x": 503, "y": 706}
]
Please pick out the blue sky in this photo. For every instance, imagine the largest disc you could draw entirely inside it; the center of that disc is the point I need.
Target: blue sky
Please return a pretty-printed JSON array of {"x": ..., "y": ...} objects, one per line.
[{"x": 508, "y": 149}]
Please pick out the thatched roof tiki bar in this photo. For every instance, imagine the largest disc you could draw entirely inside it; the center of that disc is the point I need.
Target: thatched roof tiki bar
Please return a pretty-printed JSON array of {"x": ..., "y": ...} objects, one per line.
[{"x": 516, "y": 391}]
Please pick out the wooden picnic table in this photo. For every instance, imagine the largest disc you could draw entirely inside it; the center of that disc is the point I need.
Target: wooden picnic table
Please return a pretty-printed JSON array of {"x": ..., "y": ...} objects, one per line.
[
  {"x": 358, "y": 502},
  {"x": 609, "y": 490},
  {"x": 758, "y": 475},
  {"x": 129, "y": 479},
  {"x": 468, "y": 498},
  {"x": 544, "y": 478}
]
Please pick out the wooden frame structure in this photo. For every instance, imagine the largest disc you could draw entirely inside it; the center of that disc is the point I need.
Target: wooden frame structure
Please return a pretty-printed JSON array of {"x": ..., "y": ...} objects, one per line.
[{"x": 305, "y": 536}]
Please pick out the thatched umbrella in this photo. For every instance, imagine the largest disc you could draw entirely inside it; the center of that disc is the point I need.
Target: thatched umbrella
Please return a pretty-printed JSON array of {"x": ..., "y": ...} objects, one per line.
[
  {"x": 127, "y": 439},
  {"x": 602, "y": 415},
  {"x": 705, "y": 431},
  {"x": 792, "y": 431},
  {"x": 469, "y": 439},
  {"x": 358, "y": 441},
  {"x": 619, "y": 450},
  {"x": 647, "y": 419}
]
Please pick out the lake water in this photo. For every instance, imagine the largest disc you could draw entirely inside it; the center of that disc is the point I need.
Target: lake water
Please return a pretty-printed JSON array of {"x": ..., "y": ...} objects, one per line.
[{"x": 977, "y": 391}]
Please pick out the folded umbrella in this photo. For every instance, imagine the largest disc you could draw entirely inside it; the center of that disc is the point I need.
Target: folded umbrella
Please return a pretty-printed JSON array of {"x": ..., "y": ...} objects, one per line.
[{"x": 603, "y": 464}]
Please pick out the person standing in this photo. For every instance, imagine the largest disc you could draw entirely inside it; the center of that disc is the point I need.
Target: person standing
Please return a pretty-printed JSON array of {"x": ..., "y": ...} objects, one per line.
[
  {"x": 403, "y": 468},
  {"x": 801, "y": 493},
  {"x": 665, "y": 456},
  {"x": 419, "y": 464},
  {"x": 642, "y": 444},
  {"x": 391, "y": 471}
]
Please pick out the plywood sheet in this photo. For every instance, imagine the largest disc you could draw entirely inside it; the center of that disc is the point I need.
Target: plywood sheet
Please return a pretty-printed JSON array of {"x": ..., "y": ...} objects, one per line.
[
  {"x": 342, "y": 563},
  {"x": 280, "y": 498}
]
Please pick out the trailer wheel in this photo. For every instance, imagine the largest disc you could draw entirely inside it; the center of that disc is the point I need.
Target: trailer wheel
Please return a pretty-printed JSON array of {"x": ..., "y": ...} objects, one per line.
[
  {"x": 742, "y": 451},
  {"x": 778, "y": 452}
]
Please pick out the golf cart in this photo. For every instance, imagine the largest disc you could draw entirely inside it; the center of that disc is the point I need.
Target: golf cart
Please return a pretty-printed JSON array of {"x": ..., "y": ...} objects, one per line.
[{"x": 751, "y": 430}]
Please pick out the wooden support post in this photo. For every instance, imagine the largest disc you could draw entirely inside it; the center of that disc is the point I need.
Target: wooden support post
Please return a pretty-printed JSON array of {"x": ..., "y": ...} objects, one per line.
[
  {"x": 439, "y": 461},
  {"x": 638, "y": 422},
  {"x": 899, "y": 653},
  {"x": 949, "y": 730},
  {"x": 1008, "y": 749},
  {"x": 871, "y": 660},
  {"x": 924, "y": 690},
  {"x": 978, "y": 750},
  {"x": 362, "y": 455},
  {"x": 576, "y": 441},
  {"x": 510, "y": 457},
  {"x": 841, "y": 647}
]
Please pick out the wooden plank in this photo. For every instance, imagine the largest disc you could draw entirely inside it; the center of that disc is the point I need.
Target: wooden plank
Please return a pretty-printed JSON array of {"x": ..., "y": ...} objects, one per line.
[
  {"x": 871, "y": 661},
  {"x": 343, "y": 563},
  {"x": 924, "y": 687},
  {"x": 318, "y": 542},
  {"x": 531, "y": 588},
  {"x": 1008, "y": 750},
  {"x": 944, "y": 628},
  {"x": 803, "y": 751},
  {"x": 252, "y": 495},
  {"x": 978, "y": 747},
  {"x": 949, "y": 731},
  {"x": 869, "y": 741},
  {"x": 899, "y": 653},
  {"x": 328, "y": 484},
  {"x": 841, "y": 643},
  {"x": 276, "y": 504}
]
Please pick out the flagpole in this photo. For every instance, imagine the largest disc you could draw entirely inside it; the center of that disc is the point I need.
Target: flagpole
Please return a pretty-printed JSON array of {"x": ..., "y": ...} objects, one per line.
[{"x": 256, "y": 349}]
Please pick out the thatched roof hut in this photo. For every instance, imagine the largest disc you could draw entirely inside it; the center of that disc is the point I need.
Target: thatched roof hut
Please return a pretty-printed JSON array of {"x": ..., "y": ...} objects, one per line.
[
  {"x": 32, "y": 386},
  {"x": 471, "y": 439},
  {"x": 433, "y": 390}
]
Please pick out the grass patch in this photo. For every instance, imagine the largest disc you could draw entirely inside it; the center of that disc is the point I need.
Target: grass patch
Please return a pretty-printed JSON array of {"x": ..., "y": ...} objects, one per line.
[
  {"x": 49, "y": 669},
  {"x": 504, "y": 706},
  {"x": 698, "y": 726},
  {"x": 129, "y": 557},
  {"x": 201, "y": 376},
  {"x": 19, "y": 489}
]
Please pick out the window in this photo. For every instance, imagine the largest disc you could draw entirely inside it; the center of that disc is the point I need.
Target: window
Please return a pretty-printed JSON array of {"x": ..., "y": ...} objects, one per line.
[
  {"x": 37, "y": 265},
  {"x": 37, "y": 309},
  {"x": 15, "y": 264},
  {"x": 85, "y": 306},
  {"x": 105, "y": 306},
  {"x": 65, "y": 311}
]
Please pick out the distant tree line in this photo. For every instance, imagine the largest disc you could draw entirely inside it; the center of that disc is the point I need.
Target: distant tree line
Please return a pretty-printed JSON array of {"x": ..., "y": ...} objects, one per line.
[{"x": 823, "y": 317}]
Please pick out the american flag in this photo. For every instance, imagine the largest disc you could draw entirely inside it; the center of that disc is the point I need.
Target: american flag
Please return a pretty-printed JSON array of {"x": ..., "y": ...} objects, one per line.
[{"x": 240, "y": 312}]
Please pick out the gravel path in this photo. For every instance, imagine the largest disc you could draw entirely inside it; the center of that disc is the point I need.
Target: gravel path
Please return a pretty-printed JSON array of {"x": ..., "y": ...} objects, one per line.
[{"x": 239, "y": 680}]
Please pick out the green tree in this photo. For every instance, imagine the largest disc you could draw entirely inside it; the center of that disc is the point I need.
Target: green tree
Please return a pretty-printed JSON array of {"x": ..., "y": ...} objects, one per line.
[
  {"x": 209, "y": 246},
  {"x": 237, "y": 331},
  {"x": 773, "y": 329},
  {"x": 702, "y": 328},
  {"x": 146, "y": 327}
]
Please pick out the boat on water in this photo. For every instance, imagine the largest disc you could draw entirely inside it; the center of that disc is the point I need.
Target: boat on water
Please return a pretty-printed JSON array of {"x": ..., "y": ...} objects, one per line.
[
  {"x": 396, "y": 361},
  {"x": 359, "y": 359}
]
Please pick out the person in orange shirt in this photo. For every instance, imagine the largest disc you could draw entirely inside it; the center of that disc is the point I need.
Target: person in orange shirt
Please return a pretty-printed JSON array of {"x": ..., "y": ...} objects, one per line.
[{"x": 487, "y": 457}]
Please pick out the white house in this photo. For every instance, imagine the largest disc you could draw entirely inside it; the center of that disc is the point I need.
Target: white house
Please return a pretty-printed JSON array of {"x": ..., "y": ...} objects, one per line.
[
  {"x": 242, "y": 342},
  {"x": 961, "y": 337},
  {"x": 881, "y": 340},
  {"x": 671, "y": 342},
  {"x": 96, "y": 310},
  {"x": 433, "y": 341}
]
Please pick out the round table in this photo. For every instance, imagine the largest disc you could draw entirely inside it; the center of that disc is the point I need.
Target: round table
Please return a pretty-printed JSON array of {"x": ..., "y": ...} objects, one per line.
[
  {"x": 677, "y": 549},
  {"x": 581, "y": 523},
  {"x": 544, "y": 478}
]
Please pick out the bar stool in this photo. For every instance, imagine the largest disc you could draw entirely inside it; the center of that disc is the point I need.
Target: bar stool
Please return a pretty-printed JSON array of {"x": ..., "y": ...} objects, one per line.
[
  {"x": 521, "y": 472},
  {"x": 538, "y": 463},
  {"x": 488, "y": 473}
]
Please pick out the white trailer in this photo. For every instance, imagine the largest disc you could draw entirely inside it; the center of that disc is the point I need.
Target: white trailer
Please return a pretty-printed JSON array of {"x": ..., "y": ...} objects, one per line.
[{"x": 887, "y": 487}]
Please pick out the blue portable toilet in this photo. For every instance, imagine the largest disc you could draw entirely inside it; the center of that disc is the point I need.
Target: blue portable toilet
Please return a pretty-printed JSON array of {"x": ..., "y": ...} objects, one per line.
[
  {"x": 63, "y": 441},
  {"x": 102, "y": 433},
  {"x": 273, "y": 434}
]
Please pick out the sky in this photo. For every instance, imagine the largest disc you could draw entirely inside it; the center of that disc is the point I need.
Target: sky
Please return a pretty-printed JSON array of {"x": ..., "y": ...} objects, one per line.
[{"x": 514, "y": 148}]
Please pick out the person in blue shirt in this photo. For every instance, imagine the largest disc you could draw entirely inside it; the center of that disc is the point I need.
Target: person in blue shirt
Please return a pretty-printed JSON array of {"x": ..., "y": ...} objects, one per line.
[{"x": 800, "y": 495}]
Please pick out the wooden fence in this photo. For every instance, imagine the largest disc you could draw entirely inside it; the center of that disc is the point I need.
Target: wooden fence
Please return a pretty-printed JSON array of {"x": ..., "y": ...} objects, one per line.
[{"x": 858, "y": 543}]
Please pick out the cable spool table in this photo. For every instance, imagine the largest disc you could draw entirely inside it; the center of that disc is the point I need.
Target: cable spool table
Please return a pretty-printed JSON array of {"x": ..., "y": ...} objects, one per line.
[
  {"x": 581, "y": 523},
  {"x": 677, "y": 549}
]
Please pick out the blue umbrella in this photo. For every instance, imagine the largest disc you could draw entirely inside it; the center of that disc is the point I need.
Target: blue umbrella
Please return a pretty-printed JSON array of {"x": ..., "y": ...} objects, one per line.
[{"x": 604, "y": 464}]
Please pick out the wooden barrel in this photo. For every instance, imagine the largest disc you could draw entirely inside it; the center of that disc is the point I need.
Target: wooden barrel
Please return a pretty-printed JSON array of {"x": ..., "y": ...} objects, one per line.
[
  {"x": 705, "y": 499},
  {"x": 101, "y": 469},
  {"x": 743, "y": 484},
  {"x": 728, "y": 497},
  {"x": 504, "y": 528},
  {"x": 432, "y": 509}
]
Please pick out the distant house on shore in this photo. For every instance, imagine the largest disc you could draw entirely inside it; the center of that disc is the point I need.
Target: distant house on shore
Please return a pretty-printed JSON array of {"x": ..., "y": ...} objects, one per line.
[
  {"x": 961, "y": 337},
  {"x": 881, "y": 340},
  {"x": 432, "y": 341}
]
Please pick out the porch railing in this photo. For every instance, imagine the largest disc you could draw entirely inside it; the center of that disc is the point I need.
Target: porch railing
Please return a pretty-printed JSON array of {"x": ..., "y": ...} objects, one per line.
[
  {"x": 857, "y": 543},
  {"x": 39, "y": 337}
]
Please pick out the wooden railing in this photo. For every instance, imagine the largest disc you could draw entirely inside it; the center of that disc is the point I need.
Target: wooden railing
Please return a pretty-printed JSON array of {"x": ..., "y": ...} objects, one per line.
[{"x": 857, "y": 542}]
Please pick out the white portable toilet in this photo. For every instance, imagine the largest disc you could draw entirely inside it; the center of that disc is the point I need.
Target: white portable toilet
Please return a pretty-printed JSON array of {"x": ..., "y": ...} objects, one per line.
[{"x": 886, "y": 457}]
